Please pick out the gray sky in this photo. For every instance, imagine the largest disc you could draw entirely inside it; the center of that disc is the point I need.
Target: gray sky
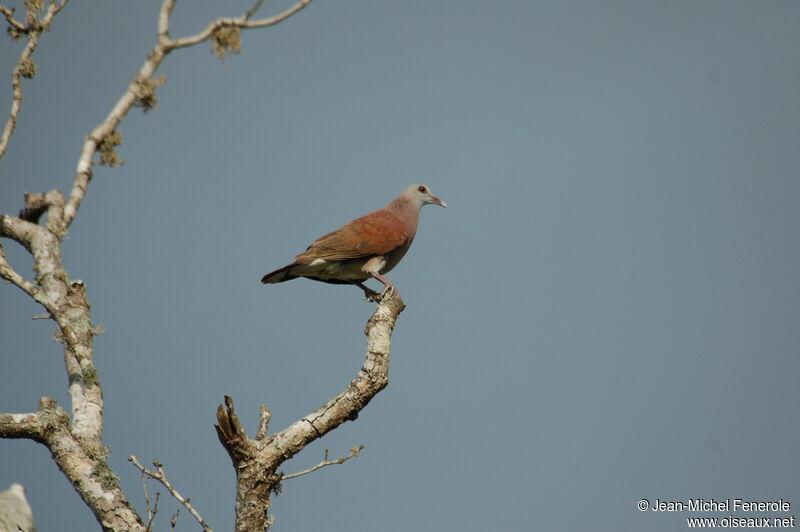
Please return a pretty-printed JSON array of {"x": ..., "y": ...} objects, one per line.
[{"x": 608, "y": 310}]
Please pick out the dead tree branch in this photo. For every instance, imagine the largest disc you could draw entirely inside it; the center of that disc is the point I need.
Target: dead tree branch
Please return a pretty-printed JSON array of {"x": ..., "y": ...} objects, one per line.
[
  {"x": 76, "y": 440},
  {"x": 25, "y": 68},
  {"x": 354, "y": 451},
  {"x": 256, "y": 460},
  {"x": 145, "y": 78},
  {"x": 84, "y": 465}
]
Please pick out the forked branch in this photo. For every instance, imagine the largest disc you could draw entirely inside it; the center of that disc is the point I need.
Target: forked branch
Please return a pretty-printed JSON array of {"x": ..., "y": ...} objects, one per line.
[{"x": 256, "y": 460}]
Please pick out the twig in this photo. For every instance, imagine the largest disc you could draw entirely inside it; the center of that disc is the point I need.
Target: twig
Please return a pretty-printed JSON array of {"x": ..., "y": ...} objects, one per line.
[
  {"x": 263, "y": 425},
  {"x": 354, "y": 451},
  {"x": 160, "y": 476},
  {"x": 173, "y": 522},
  {"x": 252, "y": 10},
  {"x": 25, "y": 66},
  {"x": 14, "y": 23},
  {"x": 151, "y": 511},
  {"x": 153, "y": 515},
  {"x": 239, "y": 22}
]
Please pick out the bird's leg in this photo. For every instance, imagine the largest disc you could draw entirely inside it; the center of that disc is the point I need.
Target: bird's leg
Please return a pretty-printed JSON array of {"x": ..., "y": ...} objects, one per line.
[
  {"x": 388, "y": 291},
  {"x": 369, "y": 293}
]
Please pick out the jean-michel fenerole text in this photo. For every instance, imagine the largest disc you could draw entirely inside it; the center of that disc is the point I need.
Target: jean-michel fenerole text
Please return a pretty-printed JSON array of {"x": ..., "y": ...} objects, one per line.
[{"x": 720, "y": 505}]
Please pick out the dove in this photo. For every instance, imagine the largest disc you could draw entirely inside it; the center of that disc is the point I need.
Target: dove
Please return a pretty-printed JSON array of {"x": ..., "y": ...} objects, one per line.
[{"x": 367, "y": 247}]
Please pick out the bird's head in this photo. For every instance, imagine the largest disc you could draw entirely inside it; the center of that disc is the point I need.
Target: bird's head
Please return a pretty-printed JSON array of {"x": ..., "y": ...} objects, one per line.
[{"x": 422, "y": 195}]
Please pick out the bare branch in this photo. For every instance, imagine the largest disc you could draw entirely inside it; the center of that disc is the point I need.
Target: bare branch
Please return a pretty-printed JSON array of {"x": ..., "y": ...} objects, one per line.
[
  {"x": 239, "y": 22},
  {"x": 354, "y": 451},
  {"x": 25, "y": 68},
  {"x": 252, "y": 10},
  {"x": 151, "y": 510},
  {"x": 82, "y": 462},
  {"x": 163, "y": 21},
  {"x": 263, "y": 424},
  {"x": 12, "y": 22},
  {"x": 145, "y": 75},
  {"x": 75, "y": 442},
  {"x": 11, "y": 276},
  {"x": 160, "y": 476},
  {"x": 28, "y": 426},
  {"x": 256, "y": 460},
  {"x": 371, "y": 379},
  {"x": 152, "y": 513},
  {"x": 66, "y": 302},
  {"x": 52, "y": 203}
]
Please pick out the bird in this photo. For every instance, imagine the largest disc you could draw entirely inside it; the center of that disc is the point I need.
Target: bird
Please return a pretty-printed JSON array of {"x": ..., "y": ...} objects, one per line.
[
  {"x": 367, "y": 247},
  {"x": 15, "y": 514}
]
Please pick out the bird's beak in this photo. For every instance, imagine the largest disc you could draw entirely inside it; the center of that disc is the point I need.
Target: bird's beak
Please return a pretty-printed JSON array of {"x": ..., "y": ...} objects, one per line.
[{"x": 436, "y": 201}]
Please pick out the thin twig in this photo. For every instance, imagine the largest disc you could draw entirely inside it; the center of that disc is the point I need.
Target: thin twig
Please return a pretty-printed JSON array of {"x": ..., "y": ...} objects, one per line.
[
  {"x": 151, "y": 511},
  {"x": 354, "y": 451},
  {"x": 173, "y": 522},
  {"x": 240, "y": 22},
  {"x": 25, "y": 66},
  {"x": 146, "y": 496},
  {"x": 161, "y": 476},
  {"x": 163, "y": 20},
  {"x": 14, "y": 23},
  {"x": 153, "y": 515},
  {"x": 252, "y": 10},
  {"x": 263, "y": 425}
]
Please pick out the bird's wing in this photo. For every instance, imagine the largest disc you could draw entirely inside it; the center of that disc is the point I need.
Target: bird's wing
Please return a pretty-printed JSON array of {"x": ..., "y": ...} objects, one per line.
[{"x": 376, "y": 233}]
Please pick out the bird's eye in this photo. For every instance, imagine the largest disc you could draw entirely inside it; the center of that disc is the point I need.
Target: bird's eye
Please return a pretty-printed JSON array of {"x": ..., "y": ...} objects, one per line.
[{"x": 421, "y": 188}]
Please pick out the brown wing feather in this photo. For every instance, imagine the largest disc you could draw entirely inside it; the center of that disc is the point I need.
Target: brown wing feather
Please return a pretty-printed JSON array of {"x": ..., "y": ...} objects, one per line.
[{"x": 376, "y": 233}]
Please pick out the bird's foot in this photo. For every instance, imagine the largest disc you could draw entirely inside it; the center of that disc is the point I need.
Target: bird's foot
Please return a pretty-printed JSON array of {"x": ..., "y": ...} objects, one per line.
[
  {"x": 370, "y": 295},
  {"x": 387, "y": 293},
  {"x": 388, "y": 290}
]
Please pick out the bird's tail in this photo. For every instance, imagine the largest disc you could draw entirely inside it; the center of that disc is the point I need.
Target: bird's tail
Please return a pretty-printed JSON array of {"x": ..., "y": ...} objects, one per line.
[{"x": 280, "y": 275}]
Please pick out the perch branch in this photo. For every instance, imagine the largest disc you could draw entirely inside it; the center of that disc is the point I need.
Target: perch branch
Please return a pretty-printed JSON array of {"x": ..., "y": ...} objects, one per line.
[
  {"x": 371, "y": 379},
  {"x": 160, "y": 476},
  {"x": 354, "y": 451},
  {"x": 256, "y": 460}
]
